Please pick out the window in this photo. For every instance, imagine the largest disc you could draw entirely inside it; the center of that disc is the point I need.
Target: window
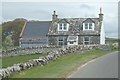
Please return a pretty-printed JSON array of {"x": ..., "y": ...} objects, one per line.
[
  {"x": 61, "y": 40},
  {"x": 60, "y": 27},
  {"x": 86, "y": 43},
  {"x": 60, "y": 43},
  {"x": 63, "y": 27},
  {"x": 86, "y": 25},
  {"x": 65, "y": 24},
  {"x": 90, "y": 25},
  {"x": 86, "y": 40},
  {"x": 71, "y": 42}
]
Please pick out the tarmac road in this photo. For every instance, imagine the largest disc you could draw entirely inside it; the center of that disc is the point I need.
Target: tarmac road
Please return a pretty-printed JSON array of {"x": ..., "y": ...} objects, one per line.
[{"x": 102, "y": 67}]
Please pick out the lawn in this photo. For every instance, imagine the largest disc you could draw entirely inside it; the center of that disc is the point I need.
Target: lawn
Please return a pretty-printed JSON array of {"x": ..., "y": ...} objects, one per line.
[
  {"x": 9, "y": 61},
  {"x": 61, "y": 67}
]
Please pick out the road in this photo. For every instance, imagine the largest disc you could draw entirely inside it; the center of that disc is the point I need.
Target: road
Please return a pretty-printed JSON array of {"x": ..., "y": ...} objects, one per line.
[{"x": 102, "y": 67}]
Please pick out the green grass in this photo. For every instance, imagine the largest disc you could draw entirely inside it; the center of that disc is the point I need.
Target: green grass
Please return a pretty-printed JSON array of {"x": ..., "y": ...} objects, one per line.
[
  {"x": 0, "y": 37},
  {"x": 0, "y": 44},
  {"x": 61, "y": 67},
  {"x": 0, "y": 63},
  {"x": 9, "y": 61}
]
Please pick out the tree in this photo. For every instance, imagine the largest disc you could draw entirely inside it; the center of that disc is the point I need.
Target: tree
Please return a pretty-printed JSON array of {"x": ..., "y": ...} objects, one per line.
[
  {"x": 8, "y": 42},
  {"x": 12, "y": 28}
]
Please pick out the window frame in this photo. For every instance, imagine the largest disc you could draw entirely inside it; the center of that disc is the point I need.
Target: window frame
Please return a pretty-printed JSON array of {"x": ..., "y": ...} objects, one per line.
[
  {"x": 60, "y": 24},
  {"x": 60, "y": 27},
  {"x": 60, "y": 40},
  {"x": 88, "y": 26},
  {"x": 64, "y": 26},
  {"x": 71, "y": 42},
  {"x": 87, "y": 41}
]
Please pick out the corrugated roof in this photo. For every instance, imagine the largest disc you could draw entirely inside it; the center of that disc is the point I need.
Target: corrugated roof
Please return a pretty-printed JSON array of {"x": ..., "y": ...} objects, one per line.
[{"x": 36, "y": 28}]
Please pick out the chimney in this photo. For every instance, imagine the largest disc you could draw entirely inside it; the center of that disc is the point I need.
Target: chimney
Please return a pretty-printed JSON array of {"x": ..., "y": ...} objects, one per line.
[
  {"x": 101, "y": 15},
  {"x": 54, "y": 17}
]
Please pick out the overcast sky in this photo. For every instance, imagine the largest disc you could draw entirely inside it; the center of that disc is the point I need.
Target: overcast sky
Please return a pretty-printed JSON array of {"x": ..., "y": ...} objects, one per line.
[{"x": 43, "y": 11}]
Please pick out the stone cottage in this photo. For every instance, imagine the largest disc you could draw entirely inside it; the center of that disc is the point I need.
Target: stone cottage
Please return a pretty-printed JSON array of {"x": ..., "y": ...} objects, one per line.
[{"x": 63, "y": 31}]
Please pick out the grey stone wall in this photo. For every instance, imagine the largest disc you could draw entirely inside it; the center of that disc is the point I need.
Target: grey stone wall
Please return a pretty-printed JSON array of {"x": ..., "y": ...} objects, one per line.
[
  {"x": 93, "y": 39},
  {"x": 52, "y": 40},
  {"x": 80, "y": 40},
  {"x": 42, "y": 61}
]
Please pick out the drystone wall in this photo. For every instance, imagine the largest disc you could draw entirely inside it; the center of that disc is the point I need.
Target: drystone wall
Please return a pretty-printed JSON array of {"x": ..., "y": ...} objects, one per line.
[{"x": 41, "y": 61}]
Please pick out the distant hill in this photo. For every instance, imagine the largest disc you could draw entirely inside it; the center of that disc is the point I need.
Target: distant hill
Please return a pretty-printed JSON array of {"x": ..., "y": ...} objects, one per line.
[
  {"x": 112, "y": 40},
  {"x": 13, "y": 28}
]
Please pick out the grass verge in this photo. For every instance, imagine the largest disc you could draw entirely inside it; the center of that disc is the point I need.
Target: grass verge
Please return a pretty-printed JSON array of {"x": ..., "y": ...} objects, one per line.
[
  {"x": 61, "y": 67},
  {"x": 9, "y": 61}
]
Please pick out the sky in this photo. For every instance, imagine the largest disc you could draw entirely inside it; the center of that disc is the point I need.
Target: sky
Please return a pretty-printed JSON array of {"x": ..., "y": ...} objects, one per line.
[{"x": 36, "y": 10}]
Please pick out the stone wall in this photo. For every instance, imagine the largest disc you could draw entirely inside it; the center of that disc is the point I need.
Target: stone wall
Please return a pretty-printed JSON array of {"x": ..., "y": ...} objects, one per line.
[
  {"x": 52, "y": 40},
  {"x": 93, "y": 40},
  {"x": 28, "y": 51},
  {"x": 41, "y": 61}
]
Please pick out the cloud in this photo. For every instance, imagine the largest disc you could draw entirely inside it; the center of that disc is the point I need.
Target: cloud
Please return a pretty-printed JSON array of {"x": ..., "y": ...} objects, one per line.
[{"x": 87, "y": 7}]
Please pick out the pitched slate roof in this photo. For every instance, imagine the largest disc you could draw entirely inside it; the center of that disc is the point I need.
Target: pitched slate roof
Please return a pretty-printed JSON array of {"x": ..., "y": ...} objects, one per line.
[
  {"x": 76, "y": 26},
  {"x": 35, "y": 29}
]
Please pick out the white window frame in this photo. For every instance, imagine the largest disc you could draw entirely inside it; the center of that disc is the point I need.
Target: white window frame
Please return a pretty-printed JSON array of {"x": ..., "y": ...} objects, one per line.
[
  {"x": 60, "y": 26},
  {"x": 88, "y": 26},
  {"x": 61, "y": 41},
  {"x": 67, "y": 27},
  {"x": 86, "y": 41},
  {"x": 71, "y": 41}
]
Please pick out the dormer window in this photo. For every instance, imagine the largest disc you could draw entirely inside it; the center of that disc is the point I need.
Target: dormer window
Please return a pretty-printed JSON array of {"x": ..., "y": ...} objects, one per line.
[
  {"x": 88, "y": 26},
  {"x": 60, "y": 27},
  {"x": 63, "y": 26}
]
